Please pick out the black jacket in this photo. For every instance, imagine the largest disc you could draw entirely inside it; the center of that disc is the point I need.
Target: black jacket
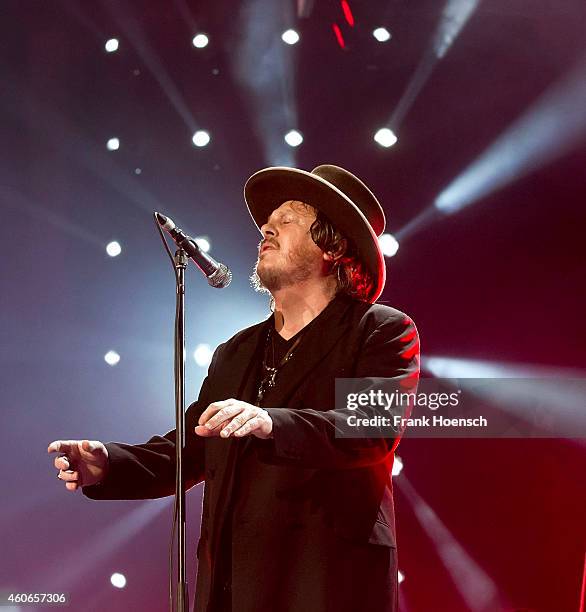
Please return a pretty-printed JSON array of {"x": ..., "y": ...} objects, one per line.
[{"x": 313, "y": 528}]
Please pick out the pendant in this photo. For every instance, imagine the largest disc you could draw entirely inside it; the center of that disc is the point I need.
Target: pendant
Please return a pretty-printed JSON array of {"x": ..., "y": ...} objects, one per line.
[{"x": 272, "y": 377}]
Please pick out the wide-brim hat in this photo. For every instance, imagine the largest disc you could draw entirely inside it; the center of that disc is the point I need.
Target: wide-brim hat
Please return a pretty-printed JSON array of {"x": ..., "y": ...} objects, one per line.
[{"x": 343, "y": 198}]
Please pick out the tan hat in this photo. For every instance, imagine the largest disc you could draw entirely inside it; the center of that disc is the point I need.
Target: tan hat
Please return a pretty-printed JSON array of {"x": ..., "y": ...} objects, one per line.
[{"x": 343, "y": 198}]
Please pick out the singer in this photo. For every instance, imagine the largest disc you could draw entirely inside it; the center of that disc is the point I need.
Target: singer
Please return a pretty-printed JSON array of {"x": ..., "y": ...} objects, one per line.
[{"x": 294, "y": 519}]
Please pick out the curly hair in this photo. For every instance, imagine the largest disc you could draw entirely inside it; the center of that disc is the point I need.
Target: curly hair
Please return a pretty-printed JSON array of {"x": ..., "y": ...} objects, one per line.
[{"x": 352, "y": 276}]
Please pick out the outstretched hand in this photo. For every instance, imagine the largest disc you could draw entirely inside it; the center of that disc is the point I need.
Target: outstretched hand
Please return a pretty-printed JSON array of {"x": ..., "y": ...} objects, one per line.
[{"x": 81, "y": 463}]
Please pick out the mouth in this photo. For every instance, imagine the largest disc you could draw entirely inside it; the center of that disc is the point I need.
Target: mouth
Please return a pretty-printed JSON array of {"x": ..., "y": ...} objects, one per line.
[{"x": 266, "y": 247}]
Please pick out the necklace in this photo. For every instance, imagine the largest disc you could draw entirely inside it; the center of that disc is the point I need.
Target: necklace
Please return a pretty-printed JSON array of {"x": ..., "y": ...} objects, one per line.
[{"x": 268, "y": 380}]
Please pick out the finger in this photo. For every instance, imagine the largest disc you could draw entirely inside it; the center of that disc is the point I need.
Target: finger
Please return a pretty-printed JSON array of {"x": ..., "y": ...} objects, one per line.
[
  {"x": 248, "y": 427},
  {"x": 225, "y": 414},
  {"x": 202, "y": 430},
  {"x": 237, "y": 422},
  {"x": 69, "y": 476},
  {"x": 62, "y": 462},
  {"x": 58, "y": 446},
  {"x": 63, "y": 446},
  {"x": 71, "y": 486},
  {"x": 212, "y": 409}
]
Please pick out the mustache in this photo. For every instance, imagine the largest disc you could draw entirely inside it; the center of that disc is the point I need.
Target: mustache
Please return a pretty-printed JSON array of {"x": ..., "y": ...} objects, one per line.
[{"x": 264, "y": 243}]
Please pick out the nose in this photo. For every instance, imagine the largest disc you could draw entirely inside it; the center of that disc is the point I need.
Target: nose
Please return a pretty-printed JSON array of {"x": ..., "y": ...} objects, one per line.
[{"x": 267, "y": 230}]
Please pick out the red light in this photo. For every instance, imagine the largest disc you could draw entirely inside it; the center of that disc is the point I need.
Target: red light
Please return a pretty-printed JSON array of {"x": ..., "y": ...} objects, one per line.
[
  {"x": 339, "y": 36},
  {"x": 348, "y": 13}
]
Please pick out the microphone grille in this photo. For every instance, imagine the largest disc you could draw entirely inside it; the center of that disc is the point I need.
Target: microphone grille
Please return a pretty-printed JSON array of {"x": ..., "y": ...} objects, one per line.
[
  {"x": 221, "y": 278},
  {"x": 165, "y": 222}
]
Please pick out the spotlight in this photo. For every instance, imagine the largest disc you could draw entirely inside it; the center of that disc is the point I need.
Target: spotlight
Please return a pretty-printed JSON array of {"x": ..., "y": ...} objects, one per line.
[
  {"x": 400, "y": 576},
  {"x": 293, "y": 138},
  {"x": 111, "y": 45},
  {"x": 203, "y": 355},
  {"x": 381, "y": 34},
  {"x": 385, "y": 137},
  {"x": 118, "y": 580},
  {"x": 552, "y": 126},
  {"x": 347, "y": 13},
  {"x": 339, "y": 36},
  {"x": 113, "y": 248},
  {"x": 476, "y": 588},
  {"x": 200, "y": 41},
  {"x": 397, "y": 465},
  {"x": 203, "y": 243},
  {"x": 388, "y": 244},
  {"x": 201, "y": 138},
  {"x": 112, "y": 358},
  {"x": 290, "y": 37},
  {"x": 113, "y": 144}
]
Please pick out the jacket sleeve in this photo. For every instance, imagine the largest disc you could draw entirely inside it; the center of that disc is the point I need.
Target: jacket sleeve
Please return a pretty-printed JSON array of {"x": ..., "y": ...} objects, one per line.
[
  {"x": 147, "y": 471},
  {"x": 307, "y": 437}
]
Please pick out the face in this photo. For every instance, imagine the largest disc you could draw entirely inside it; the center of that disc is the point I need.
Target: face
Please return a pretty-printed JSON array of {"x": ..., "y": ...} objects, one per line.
[{"x": 287, "y": 254}]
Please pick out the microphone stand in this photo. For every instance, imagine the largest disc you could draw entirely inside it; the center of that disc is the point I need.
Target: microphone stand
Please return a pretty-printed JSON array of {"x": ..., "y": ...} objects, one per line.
[
  {"x": 180, "y": 262},
  {"x": 218, "y": 276}
]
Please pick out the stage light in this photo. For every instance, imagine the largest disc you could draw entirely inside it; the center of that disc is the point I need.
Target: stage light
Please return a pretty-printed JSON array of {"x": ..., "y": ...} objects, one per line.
[
  {"x": 385, "y": 137},
  {"x": 112, "y": 358},
  {"x": 397, "y": 465},
  {"x": 381, "y": 34},
  {"x": 553, "y": 125},
  {"x": 339, "y": 36},
  {"x": 203, "y": 355},
  {"x": 75, "y": 565},
  {"x": 454, "y": 17},
  {"x": 203, "y": 243},
  {"x": 113, "y": 248},
  {"x": 400, "y": 576},
  {"x": 475, "y": 586},
  {"x": 201, "y": 138},
  {"x": 451, "y": 367},
  {"x": 264, "y": 69},
  {"x": 347, "y": 12},
  {"x": 111, "y": 45},
  {"x": 113, "y": 144},
  {"x": 200, "y": 41},
  {"x": 290, "y": 37},
  {"x": 541, "y": 401},
  {"x": 118, "y": 580},
  {"x": 388, "y": 244},
  {"x": 293, "y": 138}
]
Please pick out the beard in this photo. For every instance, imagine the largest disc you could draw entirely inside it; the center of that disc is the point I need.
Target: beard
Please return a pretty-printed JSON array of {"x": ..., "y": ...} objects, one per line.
[{"x": 288, "y": 270}]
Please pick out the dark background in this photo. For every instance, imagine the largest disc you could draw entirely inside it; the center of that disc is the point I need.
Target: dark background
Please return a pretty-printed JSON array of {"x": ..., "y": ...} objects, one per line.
[{"x": 501, "y": 281}]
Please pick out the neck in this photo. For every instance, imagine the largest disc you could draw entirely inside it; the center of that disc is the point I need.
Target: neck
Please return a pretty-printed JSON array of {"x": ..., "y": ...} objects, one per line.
[{"x": 298, "y": 305}]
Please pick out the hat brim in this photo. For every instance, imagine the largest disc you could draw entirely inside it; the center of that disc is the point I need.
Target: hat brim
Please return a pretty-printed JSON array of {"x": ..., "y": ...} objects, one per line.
[{"x": 267, "y": 189}]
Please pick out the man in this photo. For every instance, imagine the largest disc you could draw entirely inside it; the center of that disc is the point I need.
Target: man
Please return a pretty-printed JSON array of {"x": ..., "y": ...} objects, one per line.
[{"x": 295, "y": 518}]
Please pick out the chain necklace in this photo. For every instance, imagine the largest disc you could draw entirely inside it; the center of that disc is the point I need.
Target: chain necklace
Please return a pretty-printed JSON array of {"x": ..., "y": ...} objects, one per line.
[{"x": 270, "y": 372}]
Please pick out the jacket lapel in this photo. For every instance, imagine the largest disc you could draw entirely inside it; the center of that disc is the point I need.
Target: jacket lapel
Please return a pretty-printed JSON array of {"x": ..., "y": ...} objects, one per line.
[
  {"x": 236, "y": 379},
  {"x": 240, "y": 365}
]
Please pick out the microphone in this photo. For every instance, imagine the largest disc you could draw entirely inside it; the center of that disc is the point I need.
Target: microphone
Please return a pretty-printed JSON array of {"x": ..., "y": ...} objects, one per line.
[{"x": 218, "y": 274}]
